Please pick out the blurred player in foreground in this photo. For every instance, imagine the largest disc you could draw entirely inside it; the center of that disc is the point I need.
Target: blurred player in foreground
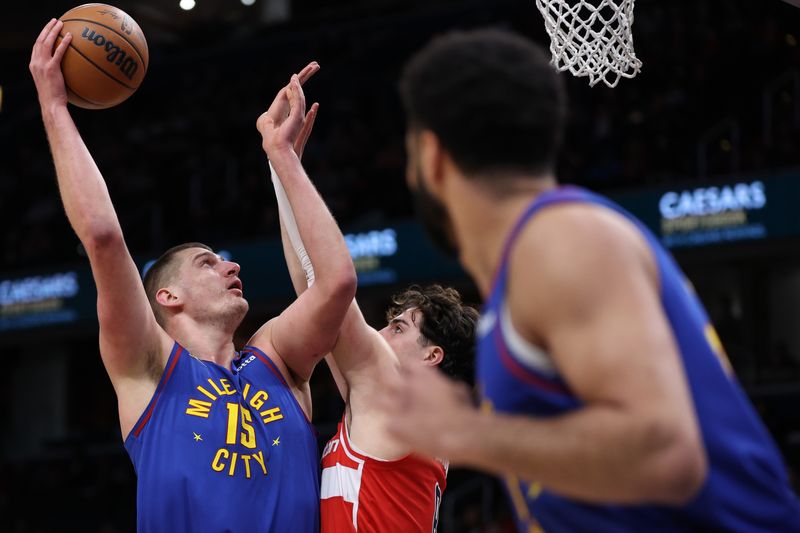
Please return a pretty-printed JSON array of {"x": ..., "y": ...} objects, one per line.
[
  {"x": 370, "y": 481},
  {"x": 221, "y": 441},
  {"x": 608, "y": 401}
]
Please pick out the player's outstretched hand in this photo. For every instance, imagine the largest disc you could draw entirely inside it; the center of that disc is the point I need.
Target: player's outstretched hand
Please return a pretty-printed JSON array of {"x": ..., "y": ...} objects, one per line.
[
  {"x": 428, "y": 412},
  {"x": 285, "y": 126},
  {"x": 45, "y": 65}
]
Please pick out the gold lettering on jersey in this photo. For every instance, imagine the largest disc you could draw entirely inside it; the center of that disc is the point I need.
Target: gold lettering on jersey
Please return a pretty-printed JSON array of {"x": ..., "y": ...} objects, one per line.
[
  {"x": 198, "y": 408},
  {"x": 271, "y": 415},
  {"x": 225, "y": 389},
  {"x": 226, "y": 460},
  {"x": 202, "y": 408},
  {"x": 258, "y": 399},
  {"x": 207, "y": 394},
  {"x": 239, "y": 425}
]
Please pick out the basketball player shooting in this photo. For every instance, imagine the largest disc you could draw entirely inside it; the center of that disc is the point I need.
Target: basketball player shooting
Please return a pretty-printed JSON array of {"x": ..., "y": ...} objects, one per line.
[
  {"x": 221, "y": 440},
  {"x": 608, "y": 402},
  {"x": 370, "y": 481}
]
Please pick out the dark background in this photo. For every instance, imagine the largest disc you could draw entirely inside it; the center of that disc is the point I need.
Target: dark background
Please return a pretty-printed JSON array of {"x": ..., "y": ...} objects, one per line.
[{"x": 717, "y": 102}]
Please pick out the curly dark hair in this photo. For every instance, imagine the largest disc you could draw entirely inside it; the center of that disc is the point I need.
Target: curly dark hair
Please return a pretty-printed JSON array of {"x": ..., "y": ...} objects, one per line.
[{"x": 446, "y": 322}]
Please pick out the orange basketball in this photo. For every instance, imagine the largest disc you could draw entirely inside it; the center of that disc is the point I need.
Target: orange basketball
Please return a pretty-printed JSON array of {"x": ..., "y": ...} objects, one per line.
[{"x": 107, "y": 58}]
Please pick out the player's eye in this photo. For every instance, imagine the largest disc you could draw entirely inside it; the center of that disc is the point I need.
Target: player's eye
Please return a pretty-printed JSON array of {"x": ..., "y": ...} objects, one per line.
[{"x": 397, "y": 329}]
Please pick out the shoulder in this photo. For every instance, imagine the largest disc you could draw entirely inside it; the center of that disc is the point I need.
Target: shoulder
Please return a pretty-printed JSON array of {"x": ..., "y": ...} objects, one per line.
[
  {"x": 567, "y": 242},
  {"x": 262, "y": 341},
  {"x": 571, "y": 256}
]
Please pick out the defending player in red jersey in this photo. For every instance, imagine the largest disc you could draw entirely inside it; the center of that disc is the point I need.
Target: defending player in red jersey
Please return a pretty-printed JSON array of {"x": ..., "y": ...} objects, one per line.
[{"x": 370, "y": 482}]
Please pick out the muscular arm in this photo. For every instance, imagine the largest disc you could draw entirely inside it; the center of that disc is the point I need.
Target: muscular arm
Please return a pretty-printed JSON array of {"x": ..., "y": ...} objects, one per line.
[
  {"x": 308, "y": 328},
  {"x": 130, "y": 339},
  {"x": 637, "y": 439},
  {"x": 300, "y": 284},
  {"x": 359, "y": 352},
  {"x": 585, "y": 287}
]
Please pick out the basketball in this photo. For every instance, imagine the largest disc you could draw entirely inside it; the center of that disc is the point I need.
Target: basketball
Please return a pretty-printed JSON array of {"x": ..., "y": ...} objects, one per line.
[{"x": 107, "y": 58}]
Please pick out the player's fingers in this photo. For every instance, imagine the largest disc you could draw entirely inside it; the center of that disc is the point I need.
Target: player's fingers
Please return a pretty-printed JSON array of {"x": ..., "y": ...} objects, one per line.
[
  {"x": 45, "y": 31},
  {"x": 47, "y": 44},
  {"x": 297, "y": 100},
  {"x": 305, "y": 133},
  {"x": 263, "y": 120},
  {"x": 308, "y": 71},
  {"x": 276, "y": 108},
  {"x": 62, "y": 48}
]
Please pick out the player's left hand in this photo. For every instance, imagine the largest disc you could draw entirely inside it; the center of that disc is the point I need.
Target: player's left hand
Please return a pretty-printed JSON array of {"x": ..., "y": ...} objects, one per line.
[
  {"x": 428, "y": 412},
  {"x": 285, "y": 126}
]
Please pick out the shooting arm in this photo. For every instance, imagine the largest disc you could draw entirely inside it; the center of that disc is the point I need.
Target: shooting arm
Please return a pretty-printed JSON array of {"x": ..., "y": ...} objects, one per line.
[{"x": 129, "y": 335}]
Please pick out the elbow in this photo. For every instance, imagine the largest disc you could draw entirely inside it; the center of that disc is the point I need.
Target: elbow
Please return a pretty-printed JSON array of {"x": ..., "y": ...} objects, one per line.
[
  {"x": 679, "y": 469},
  {"x": 342, "y": 285},
  {"x": 99, "y": 238}
]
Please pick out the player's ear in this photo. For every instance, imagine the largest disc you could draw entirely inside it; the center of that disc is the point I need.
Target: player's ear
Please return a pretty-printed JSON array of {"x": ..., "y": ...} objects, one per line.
[
  {"x": 168, "y": 298},
  {"x": 433, "y": 356}
]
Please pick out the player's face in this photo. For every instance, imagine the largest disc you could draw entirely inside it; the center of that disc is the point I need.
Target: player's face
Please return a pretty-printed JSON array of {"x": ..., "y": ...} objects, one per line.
[
  {"x": 210, "y": 286},
  {"x": 403, "y": 335},
  {"x": 430, "y": 211}
]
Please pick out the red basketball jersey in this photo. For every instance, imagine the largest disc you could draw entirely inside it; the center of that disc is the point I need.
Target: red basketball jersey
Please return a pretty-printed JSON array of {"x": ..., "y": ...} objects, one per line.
[{"x": 363, "y": 493}]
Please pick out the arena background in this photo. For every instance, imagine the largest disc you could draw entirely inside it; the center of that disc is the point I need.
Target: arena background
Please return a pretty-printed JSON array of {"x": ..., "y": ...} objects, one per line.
[{"x": 703, "y": 145}]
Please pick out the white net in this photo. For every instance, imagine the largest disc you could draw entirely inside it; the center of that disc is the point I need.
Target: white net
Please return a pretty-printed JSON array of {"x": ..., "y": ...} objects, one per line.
[{"x": 592, "y": 38}]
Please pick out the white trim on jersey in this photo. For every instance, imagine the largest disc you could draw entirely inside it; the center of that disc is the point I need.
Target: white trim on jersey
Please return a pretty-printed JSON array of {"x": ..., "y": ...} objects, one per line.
[
  {"x": 526, "y": 353},
  {"x": 340, "y": 480},
  {"x": 355, "y": 448},
  {"x": 344, "y": 442}
]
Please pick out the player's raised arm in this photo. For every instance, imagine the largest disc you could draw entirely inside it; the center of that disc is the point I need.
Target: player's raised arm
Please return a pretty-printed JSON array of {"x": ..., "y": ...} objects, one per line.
[
  {"x": 308, "y": 328},
  {"x": 360, "y": 352},
  {"x": 131, "y": 341}
]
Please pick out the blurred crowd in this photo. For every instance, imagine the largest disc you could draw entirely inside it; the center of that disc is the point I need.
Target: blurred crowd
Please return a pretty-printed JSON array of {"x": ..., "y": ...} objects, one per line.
[{"x": 183, "y": 160}]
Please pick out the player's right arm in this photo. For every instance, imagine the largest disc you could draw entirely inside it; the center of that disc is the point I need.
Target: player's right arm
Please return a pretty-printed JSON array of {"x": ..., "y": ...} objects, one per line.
[
  {"x": 360, "y": 353},
  {"x": 132, "y": 344}
]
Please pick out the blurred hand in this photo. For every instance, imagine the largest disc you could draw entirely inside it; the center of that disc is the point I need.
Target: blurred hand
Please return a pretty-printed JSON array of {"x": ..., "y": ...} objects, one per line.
[
  {"x": 286, "y": 125},
  {"x": 45, "y": 65},
  {"x": 428, "y": 412}
]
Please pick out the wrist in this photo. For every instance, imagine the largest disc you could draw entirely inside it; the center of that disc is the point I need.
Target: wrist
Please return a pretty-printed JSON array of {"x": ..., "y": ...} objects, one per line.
[
  {"x": 281, "y": 155},
  {"x": 284, "y": 162},
  {"x": 52, "y": 110}
]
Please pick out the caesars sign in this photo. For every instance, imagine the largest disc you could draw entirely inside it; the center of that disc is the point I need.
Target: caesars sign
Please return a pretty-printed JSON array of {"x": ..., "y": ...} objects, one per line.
[{"x": 712, "y": 214}]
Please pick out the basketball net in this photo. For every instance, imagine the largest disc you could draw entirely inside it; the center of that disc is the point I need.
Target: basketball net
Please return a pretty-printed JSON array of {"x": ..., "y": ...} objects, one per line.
[{"x": 592, "y": 38}]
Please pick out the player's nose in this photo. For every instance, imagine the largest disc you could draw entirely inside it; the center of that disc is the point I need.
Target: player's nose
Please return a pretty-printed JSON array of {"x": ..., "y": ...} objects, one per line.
[{"x": 231, "y": 268}]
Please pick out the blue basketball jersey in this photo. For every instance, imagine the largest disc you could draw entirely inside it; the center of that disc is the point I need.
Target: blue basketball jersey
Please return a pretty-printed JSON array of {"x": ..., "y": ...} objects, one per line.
[
  {"x": 221, "y": 449},
  {"x": 746, "y": 489}
]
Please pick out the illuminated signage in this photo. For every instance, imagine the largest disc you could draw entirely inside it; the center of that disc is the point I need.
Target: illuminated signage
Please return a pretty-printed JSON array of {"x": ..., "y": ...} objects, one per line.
[
  {"x": 382, "y": 243},
  {"x": 728, "y": 212},
  {"x": 37, "y": 300},
  {"x": 391, "y": 255},
  {"x": 713, "y": 200},
  {"x": 367, "y": 249}
]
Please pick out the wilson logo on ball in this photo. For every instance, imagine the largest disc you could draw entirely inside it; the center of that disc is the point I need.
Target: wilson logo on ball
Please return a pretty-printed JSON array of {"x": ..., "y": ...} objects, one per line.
[{"x": 126, "y": 64}]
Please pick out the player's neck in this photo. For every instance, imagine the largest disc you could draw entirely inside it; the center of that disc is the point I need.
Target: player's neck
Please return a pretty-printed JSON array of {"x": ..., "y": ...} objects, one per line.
[
  {"x": 481, "y": 238},
  {"x": 205, "y": 341}
]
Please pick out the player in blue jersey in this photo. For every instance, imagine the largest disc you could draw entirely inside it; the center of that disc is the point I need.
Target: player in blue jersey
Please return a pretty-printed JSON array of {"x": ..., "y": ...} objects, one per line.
[
  {"x": 608, "y": 402},
  {"x": 220, "y": 440}
]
